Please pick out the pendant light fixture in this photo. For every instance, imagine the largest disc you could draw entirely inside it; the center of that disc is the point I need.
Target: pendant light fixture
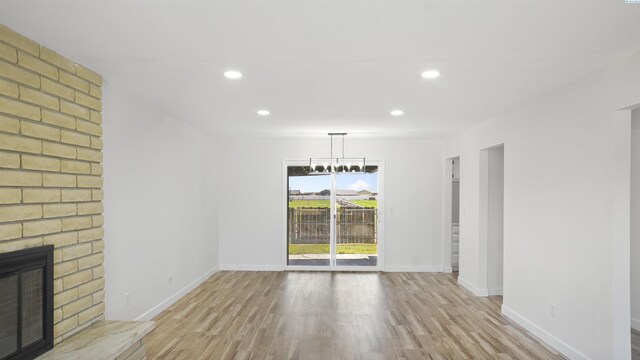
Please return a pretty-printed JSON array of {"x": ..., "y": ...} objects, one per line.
[{"x": 338, "y": 164}]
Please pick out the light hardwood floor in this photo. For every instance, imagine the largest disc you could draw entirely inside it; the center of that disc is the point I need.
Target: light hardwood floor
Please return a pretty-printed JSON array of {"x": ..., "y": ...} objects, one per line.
[{"x": 325, "y": 315}]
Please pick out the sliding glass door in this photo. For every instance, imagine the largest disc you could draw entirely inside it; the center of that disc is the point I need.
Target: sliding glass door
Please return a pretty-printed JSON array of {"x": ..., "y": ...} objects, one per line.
[{"x": 332, "y": 218}]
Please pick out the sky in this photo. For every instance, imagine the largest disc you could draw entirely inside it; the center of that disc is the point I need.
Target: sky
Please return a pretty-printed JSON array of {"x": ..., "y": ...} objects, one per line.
[{"x": 343, "y": 182}]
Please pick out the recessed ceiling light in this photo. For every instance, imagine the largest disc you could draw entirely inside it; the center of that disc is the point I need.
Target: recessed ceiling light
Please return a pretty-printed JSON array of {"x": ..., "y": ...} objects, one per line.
[
  {"x": 397, "y": 112},
  {"x": 232, "y": 74},
  {"x": 264, "y": 112},
  {"x": 430, "y": 74}
]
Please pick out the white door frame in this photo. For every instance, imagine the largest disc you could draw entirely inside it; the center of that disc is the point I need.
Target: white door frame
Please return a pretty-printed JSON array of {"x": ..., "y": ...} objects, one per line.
[
  {"x": 484, "y": 213},
  {"x": 332, "y": 267}
]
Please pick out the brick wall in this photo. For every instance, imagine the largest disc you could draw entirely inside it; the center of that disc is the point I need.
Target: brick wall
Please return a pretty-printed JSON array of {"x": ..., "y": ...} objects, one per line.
[{"x": 51, "y": 172}]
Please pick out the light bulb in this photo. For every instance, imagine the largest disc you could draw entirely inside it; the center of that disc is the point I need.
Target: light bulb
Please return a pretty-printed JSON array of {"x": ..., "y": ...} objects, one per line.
[
  {"x": 430, "y": 74},
  {"x": 232, "y": 74}
]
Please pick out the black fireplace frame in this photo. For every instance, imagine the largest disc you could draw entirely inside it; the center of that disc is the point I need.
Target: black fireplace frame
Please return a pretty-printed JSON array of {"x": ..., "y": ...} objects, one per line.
[{"x": 21, "y": 260}]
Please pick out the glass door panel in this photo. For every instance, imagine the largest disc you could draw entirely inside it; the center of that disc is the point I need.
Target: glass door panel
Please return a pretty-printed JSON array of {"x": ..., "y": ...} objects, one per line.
[
  {"x": 309, "y": 223},
  {"x": 357, "y": 218},
  {"x": 332, "y": 217}
]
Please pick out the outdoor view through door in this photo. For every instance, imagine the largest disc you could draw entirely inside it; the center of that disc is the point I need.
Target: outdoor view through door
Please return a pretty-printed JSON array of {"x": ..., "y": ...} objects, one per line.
[{"x": 332, "y": 218}]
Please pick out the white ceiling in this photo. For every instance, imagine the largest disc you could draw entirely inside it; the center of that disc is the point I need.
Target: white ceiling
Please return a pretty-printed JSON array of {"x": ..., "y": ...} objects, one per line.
[{"x": 321, "y": 65}]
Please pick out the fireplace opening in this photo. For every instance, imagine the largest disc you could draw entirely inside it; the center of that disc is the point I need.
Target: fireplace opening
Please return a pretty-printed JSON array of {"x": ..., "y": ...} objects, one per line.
[{"x": 26, "y": 303}]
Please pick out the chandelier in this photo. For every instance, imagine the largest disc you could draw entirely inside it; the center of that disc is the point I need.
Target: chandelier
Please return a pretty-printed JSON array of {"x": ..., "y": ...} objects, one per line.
[{"x": 337, "y": 164}]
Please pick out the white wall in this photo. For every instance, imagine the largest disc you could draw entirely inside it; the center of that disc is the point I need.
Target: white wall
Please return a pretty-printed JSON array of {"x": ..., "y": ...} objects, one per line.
[
  {"x": 564, "y": 212},
  {"x": 251, "y": 237},
  {"x": 160, "y": 207},
  {"x": 635, "y": 220}
]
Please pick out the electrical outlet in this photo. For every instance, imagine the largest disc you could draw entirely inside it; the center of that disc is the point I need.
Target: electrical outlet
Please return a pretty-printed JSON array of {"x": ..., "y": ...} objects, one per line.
[
  {"x": 170, "y": 279},
  {"x": 552, "y": 310},
  {"x": 127, "y": 299}
]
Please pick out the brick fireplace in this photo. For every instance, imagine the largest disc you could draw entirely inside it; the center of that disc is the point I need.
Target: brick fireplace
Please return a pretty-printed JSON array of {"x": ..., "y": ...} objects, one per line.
[{"x": 51, "y": 173}]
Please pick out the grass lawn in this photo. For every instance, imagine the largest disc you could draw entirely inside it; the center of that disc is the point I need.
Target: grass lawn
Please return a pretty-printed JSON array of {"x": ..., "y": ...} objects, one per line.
[
  {"x": 366, "y": 203},
  {"x": 309, "y": 204},
  {"x": 298, "y": 249}
]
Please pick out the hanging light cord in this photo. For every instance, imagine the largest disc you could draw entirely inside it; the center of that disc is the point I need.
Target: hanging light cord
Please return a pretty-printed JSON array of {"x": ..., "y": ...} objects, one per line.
[{"x": 331, "y": 135}]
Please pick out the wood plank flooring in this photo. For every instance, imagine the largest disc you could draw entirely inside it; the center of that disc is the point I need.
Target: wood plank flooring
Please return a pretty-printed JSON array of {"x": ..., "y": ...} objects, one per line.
[{"x": 328, "y": 315}]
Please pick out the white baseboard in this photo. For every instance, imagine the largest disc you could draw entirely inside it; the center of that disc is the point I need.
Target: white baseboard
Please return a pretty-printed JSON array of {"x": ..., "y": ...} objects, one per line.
[
  {"x": 251, "y": 267},
  {"x": 281, "y": 268},
  {"x": 556, "y": 343},
  {"x": 448, "y": 269},
  {"x": 150, "y": 314},
  {"x": 413, "y": 269},
  {"x": 495, "y": 291},
  {"x": 467, "y": 285},
  {"x": 635, "y": 324}
]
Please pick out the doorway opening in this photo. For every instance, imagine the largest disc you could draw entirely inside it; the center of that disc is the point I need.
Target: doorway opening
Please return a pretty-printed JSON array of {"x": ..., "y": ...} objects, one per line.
[
  {"x": 635, "y": 234},
  {"x": 451, "y": 233},
  {"x": 455, "y": 215},
  {"x": 492, "y": 215},
  {"x": 333, "y": 219}
]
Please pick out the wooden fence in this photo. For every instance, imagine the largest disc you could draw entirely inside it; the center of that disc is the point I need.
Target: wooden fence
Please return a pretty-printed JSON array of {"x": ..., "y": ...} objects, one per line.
[{"x": 353, "y": 226}]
